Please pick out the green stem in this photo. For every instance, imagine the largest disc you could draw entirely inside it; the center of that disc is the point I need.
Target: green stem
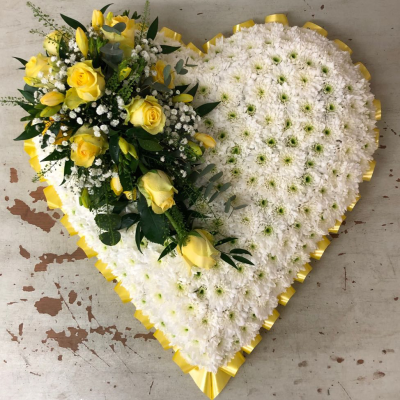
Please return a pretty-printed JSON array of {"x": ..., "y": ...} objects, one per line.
[{"x": 173, "y": 223}]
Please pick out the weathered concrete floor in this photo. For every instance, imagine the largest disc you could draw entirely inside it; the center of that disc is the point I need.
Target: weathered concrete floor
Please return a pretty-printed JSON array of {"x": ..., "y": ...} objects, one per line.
[{"x": 66, "y": 335}]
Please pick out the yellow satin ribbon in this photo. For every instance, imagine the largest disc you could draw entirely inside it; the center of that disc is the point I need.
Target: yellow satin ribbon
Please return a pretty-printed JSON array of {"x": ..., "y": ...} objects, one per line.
[
  {"x": 233, "y": 366},
  {"x": 336, "y": 227},
  {"x": 252, "y": 345},
  {"x": 105, "y": 271},
  {"x": 316, "y": 28},
  {"x": 166, "y": 345},
  {"x": 343, "y": 46},
  {"x": 321, "y": 247},
  {"x": 210, "y": 384},
  {"x": 212, "y": 42},
  {"x": 353, "y": 204},
  {"x": 182, "y": 363},
  {"x": 84, "y": 246},
  {"x": 144, "y": 319},
  {"x": 376, "y": 130},
  {"x": 368, "y": 174},
  {"x": 123, "y": 293},
  {"x": 363, "y": 69},
  {"x": 169, "y": 33},
  {"x": 52, "y": 197},
  {"x": 302, "y": 275},
  {"x": 378, "y": 109},
  {"x": 67, "y": 225},
  {"x": 246, "y": 24},
  {"x": 30, "y": 148},
  {"x": 284, "y": 297},
  {"x": 268, "y": 323},
  {"x": 278, "y": 18},
  {"x": 191, "y": 46}
]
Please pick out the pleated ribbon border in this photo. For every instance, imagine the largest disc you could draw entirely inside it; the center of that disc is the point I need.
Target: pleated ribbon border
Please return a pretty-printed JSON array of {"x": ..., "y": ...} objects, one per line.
[{"x": 209, "y": 383}]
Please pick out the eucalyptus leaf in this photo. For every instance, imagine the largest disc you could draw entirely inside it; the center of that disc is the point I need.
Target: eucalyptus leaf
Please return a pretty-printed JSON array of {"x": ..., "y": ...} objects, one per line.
[
  {"x": 179, "y": 66},
  {"x": 215, "y": 177},
  {"x": 225, "y": 187},
  {"x": 240, "y": 207},
  {"x": 166, "y": 73},
  {"x": 209, "y": 188},
  {"x": 160, "y": 87},
  {"x": 206, "y": 170},
  {"x": 117, "y": 28},
  {"x": 214, "y": 196}
]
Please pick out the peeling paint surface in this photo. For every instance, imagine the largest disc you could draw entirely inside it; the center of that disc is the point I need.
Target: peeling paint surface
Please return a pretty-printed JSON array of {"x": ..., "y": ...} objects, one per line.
[{"x": 65, "y": 334}]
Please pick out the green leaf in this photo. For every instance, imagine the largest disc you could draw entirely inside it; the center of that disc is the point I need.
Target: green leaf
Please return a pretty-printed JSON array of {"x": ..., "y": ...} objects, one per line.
[
  {"x": 30, "y": 132},
  {"x": 140, "y": 133},
  {"x": 240, "y": 207},
  {"x": 139, "y": 236},
  {"x": 104, "y": 9},
  {"x": 181, "y": 88},
  {"x": 240, "y": 251},
  {"x": 128, "y": 220},
  {"x": 228, "y": 260},
  {"x": 215, "y": 177},
  {"x": 31, "y": 89},
  {"x": 117, "y": 28},
  {"x": 154, "y": 226},
  {"x": 225, "y": 187},
  {"x": 206, "y": 170},
  {"x": 27, "y": 107},
  {"x": 243, "y": 260},
  {"x": 168, "y": 249},
  {"x": 150, "y": 145},
  {"x": 48, "y": 111},
  {"x": 160, "y": 87},
  {"x": 152, "y": 32},
  {"x": 168, "y": 49},
  {"x": 111, "y": 49},
  {"x": 135, "y": 16},
  {"x": 114, "y": 148},
  {"x": 67, "y": 169},
  {"x": 195, "y": 233},
  {"x": 27, "y": 118},
  {"x": 63, "y": 49},
  {"x": 108, "y": 222},
  {"x": 110, "y": 238},
  {"x": 226, "y": 240},
  {"x": 193, "y": 90},
  {"x": 119, "y": 206},
  {"x": 21, "y": 60},
  {"x": 206, "y": 108},
  {"x": 125, "y": 177},
  {"x": 228, "y": 203},
  {"x": 210, "y": 187},
  {"x": 28, "y": 95},
  {"x": 73, "y": 23},
  {"x": 55, "y": 155},
  {"x": 166, "y": 74}
]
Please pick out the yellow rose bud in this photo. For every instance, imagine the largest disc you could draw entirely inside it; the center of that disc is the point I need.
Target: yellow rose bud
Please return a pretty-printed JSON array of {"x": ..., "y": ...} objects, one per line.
[
  {"x": 124, "y": 73},
  {"x": 207, "y": 140},
  {"x": 127, "y": 147},
  {"x": 199, "y": 251},
  {"x": 52, "y": 43},
  {"x": 116, "y": 185},
  {"x": 146, "y": 113},
  {"x": 158, "y": 67},
  {"x": 84, "y": 199},
  {"x": 97, "y": 19},
  {"x": 182, "y": 98},
  {"x": 87, "y": 84},
  {"x": 196, "y": 148},
  {"x": 52, "y": 99},
  {"x": 131, "y": 194},
  {"x": 127, "y": 37},
  {"x": 82, "y": 41},
  {"x": 157, "y": 188},
  {"x": 86, "y": 146}
]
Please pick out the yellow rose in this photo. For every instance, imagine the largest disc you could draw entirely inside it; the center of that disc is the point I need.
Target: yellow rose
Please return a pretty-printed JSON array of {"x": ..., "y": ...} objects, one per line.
[
  {"x": 158, "y": 67},
  {"x": 87, "y": 84},
  {"x": 127, "y": 37},
  {"x": 157, "y": 188},
  {"x": 38, "y": 65},
  {"x": 82, "y": 41},
  {"x": 86, "y": 146},
  {"x": 52, "y": 99},
  {"x": 116, "y": 185},
  {"x": 146, "y": 113},
  {"x": 207, "y": 140},
  {"x": 199, "y": 251},
  {"x": 97, "y": 19},
  {"x": 52, "y": 43}
]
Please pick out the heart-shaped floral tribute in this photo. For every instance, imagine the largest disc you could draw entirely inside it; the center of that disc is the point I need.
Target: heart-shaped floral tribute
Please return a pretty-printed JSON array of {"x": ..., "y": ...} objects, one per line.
[{"x": 203, "y": 183}]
